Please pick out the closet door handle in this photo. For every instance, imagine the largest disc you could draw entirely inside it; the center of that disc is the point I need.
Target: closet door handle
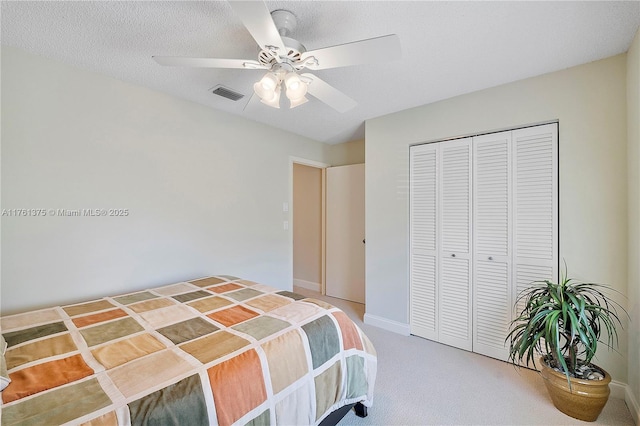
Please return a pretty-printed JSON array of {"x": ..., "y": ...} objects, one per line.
[
  {"x": 490, "y": 257},
  {"x": 453, "y": 255}
]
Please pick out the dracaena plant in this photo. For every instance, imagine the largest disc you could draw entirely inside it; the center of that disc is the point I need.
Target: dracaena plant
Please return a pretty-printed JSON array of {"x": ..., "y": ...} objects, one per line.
[{"x": 564, "y": 322}]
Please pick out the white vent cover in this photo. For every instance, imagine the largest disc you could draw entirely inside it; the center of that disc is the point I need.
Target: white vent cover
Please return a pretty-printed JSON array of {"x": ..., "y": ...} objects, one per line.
[{"x": 225, "y": 92}]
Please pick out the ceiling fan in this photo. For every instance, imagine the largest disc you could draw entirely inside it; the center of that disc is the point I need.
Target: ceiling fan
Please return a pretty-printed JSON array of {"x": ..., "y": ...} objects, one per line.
[{"x": 286, "y": 59}]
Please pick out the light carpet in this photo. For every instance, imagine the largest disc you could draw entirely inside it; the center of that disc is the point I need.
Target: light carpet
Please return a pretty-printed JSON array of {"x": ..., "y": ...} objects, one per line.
[{"x": 420, "y": 382}]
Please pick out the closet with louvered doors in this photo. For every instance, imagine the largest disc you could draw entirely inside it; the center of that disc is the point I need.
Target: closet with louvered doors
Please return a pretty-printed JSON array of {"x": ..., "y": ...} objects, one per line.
[{"x": 484, "y": 225}]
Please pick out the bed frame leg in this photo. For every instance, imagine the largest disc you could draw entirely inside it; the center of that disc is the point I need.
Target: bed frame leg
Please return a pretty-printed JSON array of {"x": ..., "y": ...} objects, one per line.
[{"x": 360, "y": 409}]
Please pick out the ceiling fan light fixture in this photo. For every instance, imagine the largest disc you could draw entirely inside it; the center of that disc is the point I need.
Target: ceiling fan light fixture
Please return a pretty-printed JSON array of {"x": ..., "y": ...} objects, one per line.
[{"x": 283, "y": 57}]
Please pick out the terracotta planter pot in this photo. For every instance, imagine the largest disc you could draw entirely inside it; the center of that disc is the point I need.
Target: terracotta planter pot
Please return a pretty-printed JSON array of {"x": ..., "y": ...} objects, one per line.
[{"x": 584, "y": 401}]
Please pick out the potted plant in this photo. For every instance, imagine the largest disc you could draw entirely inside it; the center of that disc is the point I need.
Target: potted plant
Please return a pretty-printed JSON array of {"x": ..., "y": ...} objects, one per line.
[{"x": 561, "y": 323}]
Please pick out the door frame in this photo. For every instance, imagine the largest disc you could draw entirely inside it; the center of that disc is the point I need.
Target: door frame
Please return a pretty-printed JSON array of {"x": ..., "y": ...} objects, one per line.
[{"x": 322, "y": 166}]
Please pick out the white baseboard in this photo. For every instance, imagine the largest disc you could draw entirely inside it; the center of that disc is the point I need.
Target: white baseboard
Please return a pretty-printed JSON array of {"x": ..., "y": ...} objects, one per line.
[
  {"x": 387, "y": 324},
  {"x": 623, "y": 391},
  {"x": 632, "y": 404},
  {"x": 618, "y": 389},
  {"x": 306, "y": 284}
]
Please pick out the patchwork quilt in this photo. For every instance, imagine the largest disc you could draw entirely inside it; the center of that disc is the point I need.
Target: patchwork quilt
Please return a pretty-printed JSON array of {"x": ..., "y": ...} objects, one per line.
[{"x": 217, "y": 350}]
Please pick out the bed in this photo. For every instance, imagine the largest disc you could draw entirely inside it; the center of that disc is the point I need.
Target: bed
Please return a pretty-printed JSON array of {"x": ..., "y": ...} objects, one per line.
[{"x": 216, "y": 350}]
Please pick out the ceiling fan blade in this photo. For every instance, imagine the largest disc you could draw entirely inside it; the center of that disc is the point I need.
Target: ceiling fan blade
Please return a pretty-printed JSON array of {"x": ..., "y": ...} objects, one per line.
[
  {"x": 181, "y": 61},
  {"x": 329, "y": 94},
  {"x": 256, "y": 17},
  {"x": 379, "y": 49}
]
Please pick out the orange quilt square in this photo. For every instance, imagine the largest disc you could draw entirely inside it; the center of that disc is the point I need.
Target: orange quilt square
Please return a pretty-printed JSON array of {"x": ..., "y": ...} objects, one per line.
[
  {"x": 101, "y": 317},
  {"x": 47, "y": 375},
  {"x": 232, "y": 316},
  {"x": 350, "y": 336},
  {"x": 237, "y": 386}
]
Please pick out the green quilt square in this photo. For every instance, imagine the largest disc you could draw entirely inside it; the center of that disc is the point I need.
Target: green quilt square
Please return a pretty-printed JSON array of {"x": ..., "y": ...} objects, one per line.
[
  {"x": 188, "y": 330},
  {"x": 323, "y": 340},
  {"x": 261, "y": 327}
]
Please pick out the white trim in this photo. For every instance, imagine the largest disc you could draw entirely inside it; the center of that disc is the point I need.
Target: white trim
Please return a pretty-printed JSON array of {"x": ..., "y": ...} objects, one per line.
[
  {"x": 306, "y": 162},
  {"x": 471, "y": 135},
  {"x": 307, "y": 284},
  {"x": 622, "y": 391},
  {"x": 323, "y": 237},
  {"x": 632, "y": 404},
  {"x": 387, "y": 324},
  {"x": 618, "y": 389}
]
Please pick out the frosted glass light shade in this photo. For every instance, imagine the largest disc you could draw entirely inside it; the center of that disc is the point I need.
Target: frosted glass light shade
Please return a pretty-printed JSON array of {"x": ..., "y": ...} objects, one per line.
[
  {"x": 267, "y": 86},
  {"x": 292, "y": 81},
  {"x": 269, "y": 81},
  {"x": 273, "y": 98},
  {"x": 296, "y": 88}
]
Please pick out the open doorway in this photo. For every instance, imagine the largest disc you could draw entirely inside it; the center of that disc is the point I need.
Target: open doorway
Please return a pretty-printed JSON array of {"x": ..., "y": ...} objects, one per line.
[
  {"x": 327, "y": 229},
  {"x": 308, "y": 224}
]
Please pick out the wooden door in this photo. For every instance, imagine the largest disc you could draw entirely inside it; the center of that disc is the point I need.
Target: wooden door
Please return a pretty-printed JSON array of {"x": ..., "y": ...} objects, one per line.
[{"x": 345, "y": 254}]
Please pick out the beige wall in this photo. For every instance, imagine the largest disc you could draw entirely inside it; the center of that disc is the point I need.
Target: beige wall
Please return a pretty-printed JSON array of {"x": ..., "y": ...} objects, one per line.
[
  {"x": 633, "y": 156},
  {"x": 347, "y": 153},
  {"x": 204, "y": 189},
  {"x": 590, "y": 103},
  {"x": 307, "y": 226}
]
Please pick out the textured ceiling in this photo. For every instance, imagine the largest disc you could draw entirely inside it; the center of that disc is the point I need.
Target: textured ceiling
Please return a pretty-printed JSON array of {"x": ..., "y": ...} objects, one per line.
[{"x": 448, "y": 48}]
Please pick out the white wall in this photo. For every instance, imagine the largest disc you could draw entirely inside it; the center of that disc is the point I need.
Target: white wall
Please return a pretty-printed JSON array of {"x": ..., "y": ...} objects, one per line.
[
  {"x": 347, "y": 153},
  {"x": 204, "y": 188},
  {"x": 590, "y": 103},
  {"x": 307, "y": 226},
  {"x": 633, "y": 155}
]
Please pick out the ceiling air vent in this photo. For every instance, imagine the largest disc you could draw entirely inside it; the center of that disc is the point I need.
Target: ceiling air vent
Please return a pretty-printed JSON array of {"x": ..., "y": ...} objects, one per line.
[{"x": 225, "y": 92}]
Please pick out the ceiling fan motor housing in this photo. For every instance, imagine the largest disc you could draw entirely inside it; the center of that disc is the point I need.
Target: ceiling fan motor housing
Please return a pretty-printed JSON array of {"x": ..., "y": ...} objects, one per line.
[
  {"x": 295, "y": 49},
  {"x": 285, "y": 21}
]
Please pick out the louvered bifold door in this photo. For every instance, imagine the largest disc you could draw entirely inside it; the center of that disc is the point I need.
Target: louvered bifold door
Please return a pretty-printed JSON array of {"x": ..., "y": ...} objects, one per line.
[
  {"x": 492, "y": 243},
  {"x": 454, "y": 272},
  {"x": 535, "y": 215},
  {"x": 423, "y": 256}
]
